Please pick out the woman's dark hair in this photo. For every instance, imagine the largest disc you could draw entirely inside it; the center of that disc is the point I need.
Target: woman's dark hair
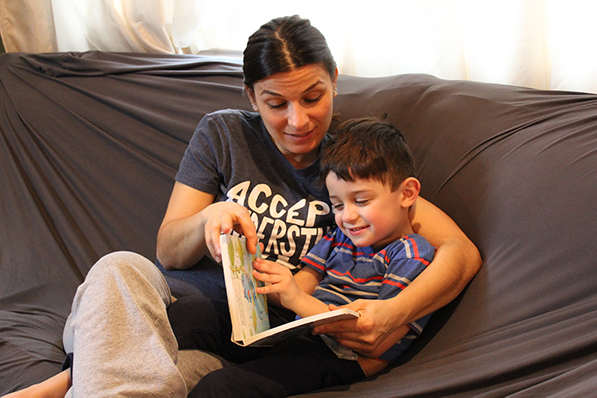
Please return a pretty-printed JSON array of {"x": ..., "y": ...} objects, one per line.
[
  {"x": 370, "y": 149},
  {"x": 282, "y": 45}
]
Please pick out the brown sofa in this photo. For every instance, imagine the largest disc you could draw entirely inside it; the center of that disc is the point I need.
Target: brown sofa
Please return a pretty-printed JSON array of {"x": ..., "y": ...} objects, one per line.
[{"x": 90, "y": 143}]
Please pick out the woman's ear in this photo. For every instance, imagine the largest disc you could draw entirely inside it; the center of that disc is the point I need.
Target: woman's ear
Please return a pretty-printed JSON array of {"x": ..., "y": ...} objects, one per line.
[
  {"x": 410, "y": 191},
  {"x": 335, "y": 82},
  {"x": 251, "y": 96}
]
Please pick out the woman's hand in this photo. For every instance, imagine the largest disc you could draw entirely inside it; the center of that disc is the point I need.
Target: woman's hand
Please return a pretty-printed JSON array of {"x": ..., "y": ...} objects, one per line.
[
  {"x": 366, "y": 334},
  {"x": 193, "y": 224},
  {"x": 223, "y": 217}
]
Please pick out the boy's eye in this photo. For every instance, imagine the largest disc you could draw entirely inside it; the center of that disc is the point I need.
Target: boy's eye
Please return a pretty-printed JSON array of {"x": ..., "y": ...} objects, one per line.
[
  {"x": 337, "y": 206},
  {"x": 361, "y": 202}
]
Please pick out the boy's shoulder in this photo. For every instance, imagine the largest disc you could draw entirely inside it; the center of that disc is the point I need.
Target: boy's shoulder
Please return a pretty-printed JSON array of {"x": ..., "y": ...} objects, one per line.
[{"x": 411, "y": 246}]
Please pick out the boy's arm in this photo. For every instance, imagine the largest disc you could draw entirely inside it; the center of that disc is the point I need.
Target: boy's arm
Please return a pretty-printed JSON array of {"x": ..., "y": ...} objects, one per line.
[{"x": 288, "y": 291}]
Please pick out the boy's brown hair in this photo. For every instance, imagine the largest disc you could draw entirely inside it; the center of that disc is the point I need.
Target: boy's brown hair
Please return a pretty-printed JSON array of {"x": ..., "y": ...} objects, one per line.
[{"x": 368, "y": 148}]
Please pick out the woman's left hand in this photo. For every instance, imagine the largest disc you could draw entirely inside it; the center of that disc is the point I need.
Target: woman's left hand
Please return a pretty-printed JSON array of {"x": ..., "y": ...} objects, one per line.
[{"x": 365, "y": 334}]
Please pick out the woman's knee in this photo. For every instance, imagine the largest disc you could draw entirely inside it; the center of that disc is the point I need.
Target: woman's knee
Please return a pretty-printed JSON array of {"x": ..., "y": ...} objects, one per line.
[
  {"x": 122, "y": 260},
  {"x": 130, "y": 267}
]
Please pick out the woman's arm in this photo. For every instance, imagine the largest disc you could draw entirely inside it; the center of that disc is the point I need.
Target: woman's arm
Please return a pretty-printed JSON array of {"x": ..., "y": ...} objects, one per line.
[
  {"x": 193, "y": 224},
  {"x": 456, "y": 261}
]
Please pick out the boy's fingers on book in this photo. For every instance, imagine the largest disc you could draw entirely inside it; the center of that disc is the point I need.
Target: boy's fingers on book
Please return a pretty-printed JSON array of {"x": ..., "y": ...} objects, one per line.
[
  {"x": 267, "y": 289},
  {"x": 261, "y": 276},
  {"x": 268, "y": 267}
]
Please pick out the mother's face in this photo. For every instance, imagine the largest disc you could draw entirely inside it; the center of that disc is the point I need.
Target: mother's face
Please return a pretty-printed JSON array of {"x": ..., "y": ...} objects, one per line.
[{"x": 296, "y": 108}]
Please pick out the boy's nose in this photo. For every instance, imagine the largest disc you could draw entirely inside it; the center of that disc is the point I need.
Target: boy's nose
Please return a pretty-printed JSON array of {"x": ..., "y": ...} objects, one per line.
[{"x": 349, "y": 215}]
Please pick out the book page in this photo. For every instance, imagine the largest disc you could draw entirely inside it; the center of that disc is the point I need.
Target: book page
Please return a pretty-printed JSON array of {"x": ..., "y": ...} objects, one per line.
[
  {"x": 248, "y": 310},
  {"x": 298, "y": 327}
]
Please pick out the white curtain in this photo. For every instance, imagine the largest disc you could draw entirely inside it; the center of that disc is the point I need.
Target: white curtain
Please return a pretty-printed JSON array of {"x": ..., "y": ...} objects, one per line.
[{"x": 546, "y": 44}]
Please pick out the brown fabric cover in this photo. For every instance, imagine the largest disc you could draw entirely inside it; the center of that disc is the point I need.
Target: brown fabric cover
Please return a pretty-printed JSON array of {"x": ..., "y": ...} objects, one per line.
[{"x": 90, "y": 143}]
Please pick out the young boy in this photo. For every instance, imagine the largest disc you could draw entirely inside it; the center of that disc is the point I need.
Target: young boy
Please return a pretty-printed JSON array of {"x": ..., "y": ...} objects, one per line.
[{"x": 372, "y": 255}]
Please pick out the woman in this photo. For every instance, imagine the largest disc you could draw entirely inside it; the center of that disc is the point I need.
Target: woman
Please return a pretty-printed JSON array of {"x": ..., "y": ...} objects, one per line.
[
  {"x": 255, "y": 172},
  {"x": 293, "y": 93}
]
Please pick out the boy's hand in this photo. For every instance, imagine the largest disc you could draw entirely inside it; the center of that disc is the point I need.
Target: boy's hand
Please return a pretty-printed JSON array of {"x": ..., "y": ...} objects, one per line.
[{"x": 279, "y": 282}]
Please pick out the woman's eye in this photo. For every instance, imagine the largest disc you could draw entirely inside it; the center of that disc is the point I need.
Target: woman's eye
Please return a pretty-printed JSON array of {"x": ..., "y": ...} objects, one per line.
[
  {"x": 276, "y": 105},
  {"x": 313, "y": 99}
]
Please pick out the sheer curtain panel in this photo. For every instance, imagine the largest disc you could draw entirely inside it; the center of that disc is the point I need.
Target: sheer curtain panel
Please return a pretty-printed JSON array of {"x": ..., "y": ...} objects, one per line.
[{"x": 546, "y": 44}]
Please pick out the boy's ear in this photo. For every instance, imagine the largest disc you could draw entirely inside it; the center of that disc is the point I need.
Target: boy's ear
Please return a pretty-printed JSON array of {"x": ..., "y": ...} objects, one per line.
[{"x": 410, "y": 191}]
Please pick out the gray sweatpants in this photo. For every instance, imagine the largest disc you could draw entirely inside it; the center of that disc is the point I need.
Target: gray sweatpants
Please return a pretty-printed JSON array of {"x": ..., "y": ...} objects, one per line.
[{"x": 122, "y": 341}]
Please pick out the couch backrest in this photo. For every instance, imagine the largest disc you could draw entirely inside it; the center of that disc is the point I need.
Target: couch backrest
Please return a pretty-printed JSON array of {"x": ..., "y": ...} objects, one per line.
[{"x": 516, "y": 168}]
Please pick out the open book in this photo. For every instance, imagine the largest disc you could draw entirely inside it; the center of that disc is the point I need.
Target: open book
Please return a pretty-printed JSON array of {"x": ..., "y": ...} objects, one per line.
[{"x": 248, "y": 310}]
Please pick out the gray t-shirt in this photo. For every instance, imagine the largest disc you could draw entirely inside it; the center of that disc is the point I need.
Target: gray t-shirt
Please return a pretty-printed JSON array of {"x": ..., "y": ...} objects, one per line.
[{"x": 231, "y": 155}]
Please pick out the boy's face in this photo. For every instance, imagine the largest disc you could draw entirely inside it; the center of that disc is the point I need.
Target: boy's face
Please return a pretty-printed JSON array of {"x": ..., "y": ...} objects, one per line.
[{"x": 367, "y": 211}]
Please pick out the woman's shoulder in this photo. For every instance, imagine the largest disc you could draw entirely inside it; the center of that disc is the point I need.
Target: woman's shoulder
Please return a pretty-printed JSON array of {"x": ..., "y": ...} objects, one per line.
[
  {"x": 233, "y": 115},
  {"x": 227, "y": 123}
]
